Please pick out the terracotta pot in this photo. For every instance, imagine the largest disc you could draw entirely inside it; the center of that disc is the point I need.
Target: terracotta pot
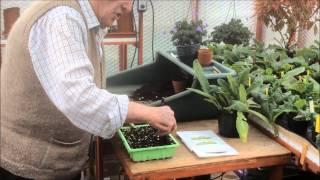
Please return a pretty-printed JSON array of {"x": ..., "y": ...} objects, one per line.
[
  {"x": 10, "y": 16},
  {"x": 205, "y": 56},
  {"x": 179, "y": 86}
]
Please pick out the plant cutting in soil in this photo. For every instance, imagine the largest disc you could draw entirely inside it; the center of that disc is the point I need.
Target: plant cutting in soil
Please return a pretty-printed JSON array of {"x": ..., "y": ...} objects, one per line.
[{"x": 146, "y": 136}]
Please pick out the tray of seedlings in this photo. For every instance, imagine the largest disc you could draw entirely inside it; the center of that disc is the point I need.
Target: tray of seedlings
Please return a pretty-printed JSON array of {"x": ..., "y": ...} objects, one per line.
[{"x": 143, "y": 143}]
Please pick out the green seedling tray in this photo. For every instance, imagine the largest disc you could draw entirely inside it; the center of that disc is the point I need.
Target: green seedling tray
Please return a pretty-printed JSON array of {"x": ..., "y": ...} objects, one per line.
[{"x": 150, "y": 153}]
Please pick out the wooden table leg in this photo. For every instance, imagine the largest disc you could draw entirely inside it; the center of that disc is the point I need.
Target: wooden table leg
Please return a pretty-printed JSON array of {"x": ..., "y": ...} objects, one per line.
[
  {"x": 276, "y": 173},
  {"x": 99, "y": 159}
]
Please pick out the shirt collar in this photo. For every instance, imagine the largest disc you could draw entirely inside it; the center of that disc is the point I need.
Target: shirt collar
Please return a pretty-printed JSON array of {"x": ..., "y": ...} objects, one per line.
[
  {"x": 89, "y": 14},
  {"x": 91, "y": 18}
]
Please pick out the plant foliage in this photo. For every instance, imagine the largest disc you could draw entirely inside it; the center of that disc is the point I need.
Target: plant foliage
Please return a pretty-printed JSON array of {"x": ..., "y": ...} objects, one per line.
[
  {"x": 187, "y": 33},
  {"x": 292, "y": 82},
  {"x": 232, "y": 33},
  {"x": 229, "y": 95},
  {"x": 288, "y": 17}
]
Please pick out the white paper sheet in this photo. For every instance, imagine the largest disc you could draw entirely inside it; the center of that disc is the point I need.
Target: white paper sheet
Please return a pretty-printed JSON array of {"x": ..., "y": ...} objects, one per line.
[{"x": 206, "y": 143}]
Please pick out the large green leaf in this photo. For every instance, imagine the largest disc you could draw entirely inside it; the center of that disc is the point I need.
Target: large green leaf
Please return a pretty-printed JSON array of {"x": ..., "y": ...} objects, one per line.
[
  {"x": 242, "y": 94},
  {"x": 315, "y": 67},
  {"x": 243, "y": 76},
  {"x": 226, "y": 89},
  {"x": 300, "y": 103},
  {"x": 288, "y": 81},
  {"x": 260, "y": 116},
  {"x": 215, "y": 103},
  {"x": 316, "y": 85},
  {"x": 242, "y": 126},
  {"x": 200, "y": 92},
  {"x": 200, "y": 75},
  {"x": 294, "y": 72},
  {"x": 233, "y": 85},
  {"x": 298, "y": 86},
  {"x": 269, "y": 71},
  {"x": 252, "y": 104},
  {"x": 223, "y": 100},
  {"x": 238, "y": 106},
  {"x": 278, "y": 113}
]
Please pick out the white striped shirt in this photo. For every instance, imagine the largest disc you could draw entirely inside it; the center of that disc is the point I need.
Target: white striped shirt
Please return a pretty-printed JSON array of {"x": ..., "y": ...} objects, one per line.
[{"x": 58, "y": 45}]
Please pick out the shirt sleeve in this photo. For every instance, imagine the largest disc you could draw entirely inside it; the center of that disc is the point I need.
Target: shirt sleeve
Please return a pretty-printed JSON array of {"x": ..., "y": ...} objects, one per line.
[{"x": 58, "y": 48}]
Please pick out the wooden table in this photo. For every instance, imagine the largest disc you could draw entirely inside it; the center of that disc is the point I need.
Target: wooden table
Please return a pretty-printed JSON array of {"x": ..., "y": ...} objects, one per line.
[{"x": 259, "y": 151}]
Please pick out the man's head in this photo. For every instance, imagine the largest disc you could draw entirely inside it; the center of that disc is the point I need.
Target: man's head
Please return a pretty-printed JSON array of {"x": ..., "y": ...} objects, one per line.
[{"x": 107, "y": 11}]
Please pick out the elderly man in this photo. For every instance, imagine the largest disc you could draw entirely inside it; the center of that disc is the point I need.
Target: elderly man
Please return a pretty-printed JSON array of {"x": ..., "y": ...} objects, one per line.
[{"x": 51, "y": 95}]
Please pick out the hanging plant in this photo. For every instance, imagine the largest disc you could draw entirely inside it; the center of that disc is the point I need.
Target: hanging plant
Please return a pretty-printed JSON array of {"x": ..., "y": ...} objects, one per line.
[
  {"x": 232, "y": 33},
  {"x": 188, "y": 33}
]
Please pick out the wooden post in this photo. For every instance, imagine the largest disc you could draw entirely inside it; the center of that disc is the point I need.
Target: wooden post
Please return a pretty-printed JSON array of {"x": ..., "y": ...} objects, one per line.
[
  {"x": 140, "y": 43},
  {"x": 125, "y": 24},
  {"x": 195, "y": 10},
  {"x": 259, "y": 29},
  {"x": 302, "y": 38},
  {"x": 292, "y": 38},
  {"x": 123, "y": 57}
]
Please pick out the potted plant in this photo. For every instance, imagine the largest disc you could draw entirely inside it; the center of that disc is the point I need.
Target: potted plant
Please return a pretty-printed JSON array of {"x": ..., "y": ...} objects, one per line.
[
  {"x": 304, "y": 91},
  {"x": 272, "y": 104},
  {"x": 231, "y": 99},
  {"x": 232, "y": 33},
  {"x": 187, "y": 37}
]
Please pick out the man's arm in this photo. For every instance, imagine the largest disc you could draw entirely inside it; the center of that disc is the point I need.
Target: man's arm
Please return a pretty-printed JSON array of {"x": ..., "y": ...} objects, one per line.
[{"x": 58, "y": 48}]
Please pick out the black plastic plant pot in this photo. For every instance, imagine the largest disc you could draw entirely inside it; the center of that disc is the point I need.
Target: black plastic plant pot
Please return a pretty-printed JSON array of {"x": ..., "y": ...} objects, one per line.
[
  {"x": 188, "y": 50},
  {"x": 227, "y": 125},
  {"x": 282, "y": 120},
  {"x": 298, "y": 126},
  {"x": 188, "y": 60},
  {"x": 187, "y": 54},
  {"x": 311, "y": 135}
]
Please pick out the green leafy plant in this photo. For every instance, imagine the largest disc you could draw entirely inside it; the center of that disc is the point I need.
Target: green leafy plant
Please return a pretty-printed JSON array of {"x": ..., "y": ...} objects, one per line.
[
  {"x": 268, "y": 59},
  {"x": 291, "y": 81},
  {"x": 187, "y": 33},
  {"x": 230, "y": 96},
  {"x": 232, "y": 33},
  {"x": 271, "y": 103}
]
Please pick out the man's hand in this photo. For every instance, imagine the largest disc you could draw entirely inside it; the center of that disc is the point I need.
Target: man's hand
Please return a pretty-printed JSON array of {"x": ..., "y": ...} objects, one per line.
[{"x": 161, "y": 118}]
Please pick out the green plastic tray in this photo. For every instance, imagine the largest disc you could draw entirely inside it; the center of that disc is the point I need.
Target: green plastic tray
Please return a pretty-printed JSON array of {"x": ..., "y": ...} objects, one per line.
[{"x": 151, "y": 153}]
